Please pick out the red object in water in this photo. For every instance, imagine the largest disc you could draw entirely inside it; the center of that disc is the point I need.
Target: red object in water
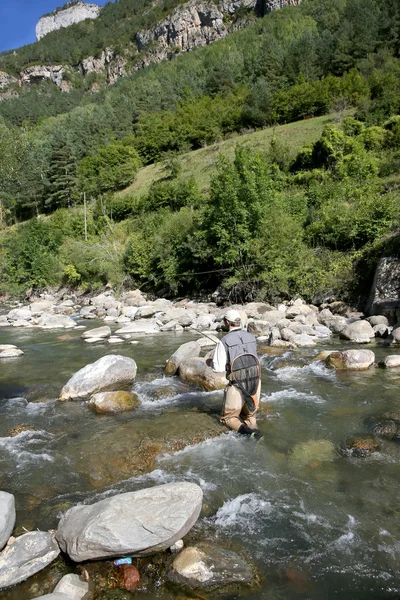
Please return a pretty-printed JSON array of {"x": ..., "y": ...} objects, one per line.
[{"x": 131, "y": 577}]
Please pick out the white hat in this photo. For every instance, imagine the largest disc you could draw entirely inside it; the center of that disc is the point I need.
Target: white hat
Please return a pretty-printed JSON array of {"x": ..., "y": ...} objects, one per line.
[{"x": 232, "y": 316}]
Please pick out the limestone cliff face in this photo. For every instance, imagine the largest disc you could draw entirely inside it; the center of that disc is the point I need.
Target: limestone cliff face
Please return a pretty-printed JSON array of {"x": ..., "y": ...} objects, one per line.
[
  {"x": 197, "y": 24},
  {"x": 6, "y": 80},
  {"x": 64, "y": 18},
  {"x": 188, "y": 26}
]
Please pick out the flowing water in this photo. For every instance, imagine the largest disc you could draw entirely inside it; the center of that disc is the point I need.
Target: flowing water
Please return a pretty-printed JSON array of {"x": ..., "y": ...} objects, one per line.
[{"x": 314, "y": 524}]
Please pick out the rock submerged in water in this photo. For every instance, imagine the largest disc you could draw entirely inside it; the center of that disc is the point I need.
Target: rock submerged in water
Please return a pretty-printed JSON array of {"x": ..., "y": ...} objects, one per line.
[
  {"x": 97, "y": 332},
  {"x": 354, "y": 360},
  {"x": 312, "y": 452},
  {"x": 7, "y": 517},
  {"x": 28, "y": 554},
  {"x": 109, "y": 373},
  {"x": 360, "y": 446},
  {"x": 207, "y": 566},
  {"x": 134, "y": 523},
  {"x": 113, "y": 402}
]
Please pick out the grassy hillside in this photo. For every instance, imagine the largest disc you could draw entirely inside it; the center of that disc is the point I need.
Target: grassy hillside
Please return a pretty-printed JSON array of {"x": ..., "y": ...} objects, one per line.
[{"x": 201, "y": 164}]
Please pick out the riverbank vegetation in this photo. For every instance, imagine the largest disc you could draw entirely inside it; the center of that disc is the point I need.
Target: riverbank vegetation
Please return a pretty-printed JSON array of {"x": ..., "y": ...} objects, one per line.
[{"x": 271, "y": 220}]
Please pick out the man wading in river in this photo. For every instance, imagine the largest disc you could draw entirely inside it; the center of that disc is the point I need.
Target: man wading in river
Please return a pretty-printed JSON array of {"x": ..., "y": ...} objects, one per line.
[{"x": 236, "y": 354}]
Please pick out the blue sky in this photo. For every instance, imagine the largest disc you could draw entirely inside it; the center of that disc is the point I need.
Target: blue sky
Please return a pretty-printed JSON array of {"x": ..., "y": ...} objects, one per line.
[{"x": 19, "y": 17}]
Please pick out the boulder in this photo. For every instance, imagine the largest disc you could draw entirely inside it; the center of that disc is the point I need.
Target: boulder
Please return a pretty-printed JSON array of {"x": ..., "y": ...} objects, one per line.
[
  {"x": 302, "y": 340},
  {"x": 115, "y": 340},
  {"x": 171, "y": 326},
  {"x": 180, "y": 315},
  {"x": 129, "y": 311},
  {"x": 335, "y": 323},
  {"x": 354, "y": 360},
  {"x": 377, "y": 320},
  {"x": 360, "y": 332},
  {"x": 97, "y": 332},
  {"x": 360, "y": 447},
  {"x": 188, "y": 350},
  {"x": 55, "y": 596},
  {"x": 48, "y": 321},
  {"x": 145, "y": 312},
  {"x": 40, "y": 306},
  {"x": 260, "y": 328},
  {"x": 381, "y": 330},
  {"x": 134, "y": 298},
  {"x": 195, "y": 370},
  {"x": 28, "y": 554},
  {"x": 109, "y": 373},
  {"x": 20, "y": 314},
  {"x": 7, "y": 517},
  {"x": 256, "y": 310},
  {"x": 142, "y": 326},
  {"x": 13, "y": 352},
  {"x": 207, "y": 566},
  {"x": 135, "y": 523},
  {"x": 7, "y": 347},
  {"x": 395, "y": 336},
  {"x": 113, "y": 402},
  {"x": 389, "y": 362}
]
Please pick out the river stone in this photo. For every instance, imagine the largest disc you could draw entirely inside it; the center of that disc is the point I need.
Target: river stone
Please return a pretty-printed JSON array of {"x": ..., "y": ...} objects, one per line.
[
  {"x": 109, "y": 373},
  {"x": 303, "y": 340},
  {"x": 377, "y": 320},
  {"x": 389, "y": 362},
  {"x": 382, "y": 330},
  {"x": 195, "y": 370},
  {"x": 134, "y": 523},
  {"x": 40, "y": 306},
  {"x": 11, "y": 353},
  {"x": 47, "y": 321},
  {"x": 336, "y": 323},
  {"x": 7, "y": 517},
  {"x": 20, "y": 314},
  {"x": 55, "y": 596},
  {"x": 141, "y": 326},
  {"x": 359, "y": 332},
  {"x": 28, "y": 554},
  {"x": 395, "y": 336},
  {"x": 7, "y": 347},
  {"x": 97, "y": 332},
  {"x": 260, "y": 327},
  {"x": 188, "y": 350},
  {"x": 112, "y": 402},
  {"x": 355, "y": 360},
  {"x": 207, "y": 566},
  {"x": 72, "y": 586}
]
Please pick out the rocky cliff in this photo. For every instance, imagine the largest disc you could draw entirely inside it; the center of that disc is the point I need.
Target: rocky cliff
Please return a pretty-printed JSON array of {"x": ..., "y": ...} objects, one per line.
[
  {"x": 190, "y": 25},
  {"x": 63, "y": 18}
]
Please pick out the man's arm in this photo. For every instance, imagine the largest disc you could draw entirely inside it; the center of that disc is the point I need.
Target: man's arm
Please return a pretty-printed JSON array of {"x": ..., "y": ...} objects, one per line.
[{"x": 218, "y": 363}]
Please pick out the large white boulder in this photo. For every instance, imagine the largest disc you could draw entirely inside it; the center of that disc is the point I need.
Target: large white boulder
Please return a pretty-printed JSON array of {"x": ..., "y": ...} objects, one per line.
[
  {"x": 390, "y": 362},
  {"x": 7, "y": 517},
  {"x": 40, "y": 306},
  {"x": 109, "y": 373},
  {"x": 97, "y": 332},
  {"x": 27, "y": 555},
  {"x": 360, "y": 332},
  {"x": 134, "y": 523},
  {"x": 354, "y": 360},
  {"x": 140, "y": 326},
  {"x": 48, "y": 321}
]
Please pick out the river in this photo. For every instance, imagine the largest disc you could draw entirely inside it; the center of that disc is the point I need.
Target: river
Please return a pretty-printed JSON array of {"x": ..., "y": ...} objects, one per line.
[{"x": 313, "y": 528}]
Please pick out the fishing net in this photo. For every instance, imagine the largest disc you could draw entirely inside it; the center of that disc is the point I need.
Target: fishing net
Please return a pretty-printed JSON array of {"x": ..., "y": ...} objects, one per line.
[{"x": 246, "y": 374}]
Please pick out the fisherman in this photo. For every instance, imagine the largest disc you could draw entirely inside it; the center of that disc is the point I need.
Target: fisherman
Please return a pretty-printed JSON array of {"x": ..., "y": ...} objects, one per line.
[{"x": 236, "y": 413}]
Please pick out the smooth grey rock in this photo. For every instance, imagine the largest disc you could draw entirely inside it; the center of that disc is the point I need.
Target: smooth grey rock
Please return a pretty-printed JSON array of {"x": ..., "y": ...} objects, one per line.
[
  {"x": 7, "y": 517},
  {"x": 377, "y": 320},
  {"x": 97, "y": 332},
  {"x": 206, "y": 565},
  {"x": 322, "y": 331},
  {"x": 129, "y": 311},
  {"x": 109, "y": 373},
  {"x": 391, "y": 361},
  {"x": 20, "y": 314},
  {"x": 73, "y": 587},
  {"x": 48, "y": 321},
  {"x": 354, "y": 360},
  {"x": 66, "y": 17},
  {"x": 359, "y": 332},
  {"x": 381, "y": 330},
  {"x": 134, "y": 523},
  {"x": 11, "y": 353},
  {"x": 302, "y": 340},
  {"x": 40, "y": 306},
  {"x": 7, "y": 347},
  {"x": 188, "y": 350},
  {"x": 27, "y": 555},
  {"x": 22, "y": 323},
  {"x": 140, "y": 326},
  {"x": 54, "y": 596},
  {"x": 260, "y": 328},
  {"x": 395, "y": 335}
]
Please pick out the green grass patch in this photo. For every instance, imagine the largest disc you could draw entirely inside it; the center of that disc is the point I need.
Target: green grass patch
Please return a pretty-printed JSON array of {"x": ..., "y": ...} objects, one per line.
[{"x": 201, "y": 164}]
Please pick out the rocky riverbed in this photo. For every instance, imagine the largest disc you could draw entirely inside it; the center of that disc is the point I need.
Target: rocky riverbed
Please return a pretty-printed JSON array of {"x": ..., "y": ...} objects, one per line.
[{"x": 140, "y": 409}]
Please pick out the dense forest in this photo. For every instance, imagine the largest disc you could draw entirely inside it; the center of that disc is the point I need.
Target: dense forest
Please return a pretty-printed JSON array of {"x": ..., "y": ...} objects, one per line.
[{"x": 272, "y": 224}]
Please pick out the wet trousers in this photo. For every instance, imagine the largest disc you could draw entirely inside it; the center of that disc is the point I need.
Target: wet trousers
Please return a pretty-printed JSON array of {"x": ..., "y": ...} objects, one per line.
[{"x": 235, "y": 411}]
